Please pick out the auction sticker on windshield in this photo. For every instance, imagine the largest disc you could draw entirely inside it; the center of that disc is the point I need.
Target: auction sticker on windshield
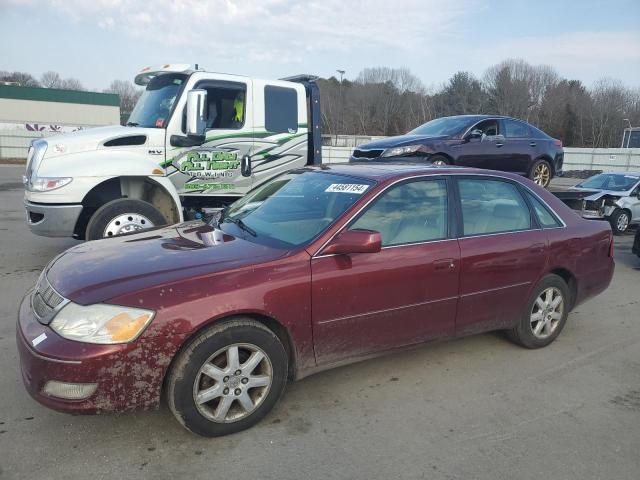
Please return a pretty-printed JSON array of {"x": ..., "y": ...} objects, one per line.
[{"x": 347, "y": 188}]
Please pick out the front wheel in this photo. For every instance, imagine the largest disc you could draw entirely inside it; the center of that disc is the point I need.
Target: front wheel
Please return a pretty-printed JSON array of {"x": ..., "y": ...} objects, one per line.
[
  {"x": 619, "y": 221},
  {"x": 228, "y": 378},
  {"x": 541, "y": 173},
  {"x": 124, "y": 215},
  {"x": 544, "y": 315}
]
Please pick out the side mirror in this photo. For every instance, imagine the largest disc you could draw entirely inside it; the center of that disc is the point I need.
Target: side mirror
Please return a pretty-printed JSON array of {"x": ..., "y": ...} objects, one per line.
[
  {"x": 354, "y": 241},
  {"x": 196, "y": 102},
  {"x": 475, "y": 133}
]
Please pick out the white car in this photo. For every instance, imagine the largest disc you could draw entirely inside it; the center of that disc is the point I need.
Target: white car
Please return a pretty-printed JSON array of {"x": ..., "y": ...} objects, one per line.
[{"x": 614, "y": 196}]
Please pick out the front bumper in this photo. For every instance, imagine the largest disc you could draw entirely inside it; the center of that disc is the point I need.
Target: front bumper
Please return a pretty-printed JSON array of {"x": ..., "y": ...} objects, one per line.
[
  {"x": 52, "y": 220},
  {"x": 125, "y": 381}
]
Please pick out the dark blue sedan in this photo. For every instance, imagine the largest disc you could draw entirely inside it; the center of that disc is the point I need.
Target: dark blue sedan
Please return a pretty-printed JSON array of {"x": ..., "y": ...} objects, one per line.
[{"x": 481, "y": 141}]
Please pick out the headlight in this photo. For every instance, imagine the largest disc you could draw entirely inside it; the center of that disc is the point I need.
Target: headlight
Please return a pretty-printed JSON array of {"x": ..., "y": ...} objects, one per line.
[
  {"x": 44, "y": 184},
  {"x": 101, "y": 323},
  {"x": 396, "y": 151}
]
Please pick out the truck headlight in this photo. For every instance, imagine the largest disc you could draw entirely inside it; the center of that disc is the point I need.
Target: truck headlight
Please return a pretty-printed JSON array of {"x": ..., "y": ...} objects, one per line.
[
  {"x": 44, "y": 184},
  {"x": 396, "y": 151},
  {"x": 101, "y": 323}
]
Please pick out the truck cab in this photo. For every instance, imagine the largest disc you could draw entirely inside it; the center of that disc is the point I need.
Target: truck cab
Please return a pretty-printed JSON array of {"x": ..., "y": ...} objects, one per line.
[{"x": 195, "y": 140}]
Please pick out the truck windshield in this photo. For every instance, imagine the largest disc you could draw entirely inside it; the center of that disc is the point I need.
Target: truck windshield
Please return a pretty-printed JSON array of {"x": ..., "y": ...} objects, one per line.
[
  {"x": 293, "y": 208},
  {"x": 610, "y": 181},
  {"x": 444, "y": 126},
  {"x": 156, "y": 102}
]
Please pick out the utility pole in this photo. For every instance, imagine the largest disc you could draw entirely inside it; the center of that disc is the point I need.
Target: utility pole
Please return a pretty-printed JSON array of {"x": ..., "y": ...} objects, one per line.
[{"x": 341, "y": 72}]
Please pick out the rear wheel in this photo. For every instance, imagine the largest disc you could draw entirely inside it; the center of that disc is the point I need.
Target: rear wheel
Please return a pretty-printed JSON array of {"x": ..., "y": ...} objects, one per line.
[
  {"x": 124, "y": 215},
  {"x": 541, "y": 173},
  {"x": 544, "y": 315},
  {"x": 228, "y": 378},
  {"x": 439, "y": 160},
  {"x": 619, "y": 221}
]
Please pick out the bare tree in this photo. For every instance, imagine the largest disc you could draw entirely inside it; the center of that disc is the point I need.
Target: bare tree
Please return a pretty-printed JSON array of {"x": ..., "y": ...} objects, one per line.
[
  {"x": 22, "y": 78},
  {"x": 128, "y": 94},
  {"x": 51, "y": 80}
]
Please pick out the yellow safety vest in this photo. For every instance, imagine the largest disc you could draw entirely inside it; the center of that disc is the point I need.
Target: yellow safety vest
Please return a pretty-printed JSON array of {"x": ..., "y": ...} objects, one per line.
[{"x": 238, "y": 106}]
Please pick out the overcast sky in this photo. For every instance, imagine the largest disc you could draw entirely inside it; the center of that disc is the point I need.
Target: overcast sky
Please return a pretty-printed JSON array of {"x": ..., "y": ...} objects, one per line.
[{"x": 97, "y": 41}]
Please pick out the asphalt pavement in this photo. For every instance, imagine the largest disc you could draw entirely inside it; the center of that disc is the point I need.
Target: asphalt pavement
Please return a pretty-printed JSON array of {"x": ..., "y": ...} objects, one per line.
[{"x": 475, "y": 408}]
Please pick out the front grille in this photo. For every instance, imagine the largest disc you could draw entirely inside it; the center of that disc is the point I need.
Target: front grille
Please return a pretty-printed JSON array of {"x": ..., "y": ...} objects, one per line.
[
  {"x": 45, "y": 301},
  {"x": 367, "y": 153}
]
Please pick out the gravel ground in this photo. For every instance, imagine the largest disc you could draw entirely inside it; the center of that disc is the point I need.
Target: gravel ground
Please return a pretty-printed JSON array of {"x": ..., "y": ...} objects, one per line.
[{"x": 477, "y": 408}]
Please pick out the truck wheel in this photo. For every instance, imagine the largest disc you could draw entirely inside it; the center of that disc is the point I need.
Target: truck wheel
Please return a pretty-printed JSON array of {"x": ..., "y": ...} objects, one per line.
[
  {"x": 619, "y": 221},
  {"x": 439, "y": 160},
  {"x": 124, "y": 215},
  {"x": 227, "y": 378},
  {"x": 541, "y": 173}
]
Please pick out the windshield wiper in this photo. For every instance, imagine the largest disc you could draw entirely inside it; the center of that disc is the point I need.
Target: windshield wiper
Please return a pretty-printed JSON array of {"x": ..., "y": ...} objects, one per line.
[
  {"x": 132, "y": 124},
  {"x": 241, "y": 224}
]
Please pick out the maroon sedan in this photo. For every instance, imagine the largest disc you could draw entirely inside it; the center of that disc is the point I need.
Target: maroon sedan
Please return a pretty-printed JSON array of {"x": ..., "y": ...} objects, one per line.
[{"x": 316, "y": 268}]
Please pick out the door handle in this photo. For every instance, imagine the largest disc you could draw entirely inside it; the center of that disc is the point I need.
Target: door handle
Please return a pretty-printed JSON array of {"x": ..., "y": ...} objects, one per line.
[
  {"x": 499, "y": 144},
  {"x": 245, "y": 166},
  {"x": 444, "y": 264},
  {"x": 532, "y": 144},
  {"x": 537, "y": 248}
]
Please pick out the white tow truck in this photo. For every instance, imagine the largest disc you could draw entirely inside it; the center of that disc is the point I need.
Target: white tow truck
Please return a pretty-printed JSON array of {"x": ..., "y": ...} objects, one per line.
[{"x": 195, "y": 140}]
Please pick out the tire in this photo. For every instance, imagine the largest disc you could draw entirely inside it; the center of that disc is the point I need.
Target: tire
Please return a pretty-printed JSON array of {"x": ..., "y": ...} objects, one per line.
[
  {"x": 186, "y": 380},
  {"x": 541, "y": 173},
  {"x": 440, "y": 160},
  {"x": 619, "y": 221},
  {"x": 524, "y": 333},
  {"x": 124, "y": 215}
]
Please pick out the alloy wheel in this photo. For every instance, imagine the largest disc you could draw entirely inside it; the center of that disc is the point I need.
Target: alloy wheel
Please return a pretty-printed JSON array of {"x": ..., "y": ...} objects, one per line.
[
  {"x": 541, "y": 174},
  {"x": 623, "y": 222},
  {"x": 232, "y": 383},
  {"x": 546, "y": 312}
]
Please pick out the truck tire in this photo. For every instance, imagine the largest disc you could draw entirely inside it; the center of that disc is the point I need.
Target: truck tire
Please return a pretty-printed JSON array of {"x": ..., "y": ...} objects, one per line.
[
  {"x": 121, "y": 216},
  {"x": 227, "y": 378},
  {"x": 619, "y": 221}
]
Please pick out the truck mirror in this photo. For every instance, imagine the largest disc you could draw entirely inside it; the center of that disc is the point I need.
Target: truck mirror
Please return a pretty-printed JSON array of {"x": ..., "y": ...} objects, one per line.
[{"x": 196, "y": 102}]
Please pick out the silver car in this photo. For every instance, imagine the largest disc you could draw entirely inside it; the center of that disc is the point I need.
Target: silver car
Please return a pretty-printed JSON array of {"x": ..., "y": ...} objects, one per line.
[{"x": 614, "y": 196}]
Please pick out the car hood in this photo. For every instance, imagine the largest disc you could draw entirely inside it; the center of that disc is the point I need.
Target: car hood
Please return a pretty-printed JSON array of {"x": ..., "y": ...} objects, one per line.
[
  {"x": 102, "y": 269},
  {"x": 93, "y": 139},
  {"x": 597, "y": 194},
  {"x": 399, "y": 141}
]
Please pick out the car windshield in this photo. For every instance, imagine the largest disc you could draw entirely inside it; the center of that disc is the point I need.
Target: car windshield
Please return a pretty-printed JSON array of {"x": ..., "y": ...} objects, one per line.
[
  {"x": 443, "y": 126},
  {"x": 155, "y": 104},
  {"x": 610, "y": 181},
  {"x": 293, "y": 208}
]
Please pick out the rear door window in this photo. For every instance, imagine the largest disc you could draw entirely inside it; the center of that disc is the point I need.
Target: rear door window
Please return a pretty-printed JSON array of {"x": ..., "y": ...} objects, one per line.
[
  {"x": 545, "y": 217},
  {"x": 492, "y": 206},
  {"x": 281, "y": 109},
  {"x": 515, "y": 129}
]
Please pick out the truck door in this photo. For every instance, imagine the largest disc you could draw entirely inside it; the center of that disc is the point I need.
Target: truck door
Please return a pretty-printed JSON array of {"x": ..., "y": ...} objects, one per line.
[
  {"x": 281, "y": 138},
  {"x": 214, "y": 168}
]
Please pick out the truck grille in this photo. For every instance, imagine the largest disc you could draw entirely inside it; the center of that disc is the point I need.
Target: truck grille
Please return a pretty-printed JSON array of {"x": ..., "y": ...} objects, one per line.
[
  {"x": 367, "y": 153},
  {"x": 45, "y": 301}
]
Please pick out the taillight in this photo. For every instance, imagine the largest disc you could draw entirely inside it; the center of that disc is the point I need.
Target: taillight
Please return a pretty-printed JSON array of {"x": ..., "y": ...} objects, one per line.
[
  {"x": 611, "y": 245},
  {"x": 557, "y": 143}
]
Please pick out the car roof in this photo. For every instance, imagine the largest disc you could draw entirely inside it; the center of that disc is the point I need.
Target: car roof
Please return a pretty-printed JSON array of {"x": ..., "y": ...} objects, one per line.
[
  {"x": 633, "y": 174},
  {"x": 384, "y": 171}
]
